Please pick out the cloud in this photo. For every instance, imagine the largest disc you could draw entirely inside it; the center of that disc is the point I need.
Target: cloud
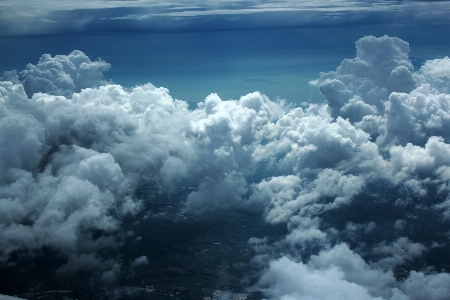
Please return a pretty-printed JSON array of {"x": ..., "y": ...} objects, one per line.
[
  {"x": 434, "y": 286},
  {"x": 142, "y": 260},
  {"x": 110, "y": 276},
  {"x": 329, "y": 190},
  {"x": 398, "y": 252},
  {"x": 217, "y": 194},
  {"x": 92, "y": 147},
  {"x": 286, "y": 279},
  {"x": 436, "y": 73},
  {"x": 403, "y": 113},
  {"x": 56, "y": 190},
  {"x": 76, "y": 149},
  {"x": 363, "y": 84},
  {"x": 416, "y": 116},
  {"x": 341, "y": 273},
  {"x": 48, "y": 17},
  {"x": 62, "y": 75}
]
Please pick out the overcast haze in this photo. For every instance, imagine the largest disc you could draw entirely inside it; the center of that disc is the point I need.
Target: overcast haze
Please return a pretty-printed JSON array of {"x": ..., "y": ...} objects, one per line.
[{"x": 325, "y": 124}]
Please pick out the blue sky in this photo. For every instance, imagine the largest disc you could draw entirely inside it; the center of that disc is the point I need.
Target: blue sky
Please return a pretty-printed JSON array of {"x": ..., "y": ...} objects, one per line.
[{"x": 330, "y": 27}]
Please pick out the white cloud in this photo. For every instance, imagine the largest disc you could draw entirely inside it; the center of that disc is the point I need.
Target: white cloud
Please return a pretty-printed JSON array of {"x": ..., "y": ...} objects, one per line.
[
  {"x": 398, "y": 252},
  {"x": 436, "y": 72},
  {"x": 363, "y": 84},
  {"x": 286, "y": 279},
  {"x": 340, "y": 273},
  {"x": 72, "y": 159},
  {"x": 416, "y": 116},
  {"x": 220, "y": 193},
  {"x": 405, "y": 114},
  {"x": 435, "y": 286},
  {"x": 141, "y": 260},
  {"x": 304, "y": 230},
  {"x": 62, "y": 75}
]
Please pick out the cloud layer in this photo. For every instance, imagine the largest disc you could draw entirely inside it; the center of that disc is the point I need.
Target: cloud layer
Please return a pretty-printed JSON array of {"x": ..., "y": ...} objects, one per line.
[
  {"x": 62, "y": 75},
  {"x": 49, "y": 17},
  {"x": 75, "y": 149}
]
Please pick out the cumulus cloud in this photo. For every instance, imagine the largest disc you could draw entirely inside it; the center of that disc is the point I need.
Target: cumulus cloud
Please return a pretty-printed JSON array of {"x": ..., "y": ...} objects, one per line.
[
  {"x": 416, "y": 116},
  {"x": 398, "y": 252},
  {"x": 71, "y": 163},
  {"x": 381, "y": 67},
  {"x": 63, "y": 74},
  {"x": 341, "y": 273},
  {"x": 75, "y": 149},
  {"x": 287, "y": 279},
  {"x": 56, "y": 189},
  {"x": 436, "y": 72},
  {"x": 434, "y": 286},
  {"x": 141, "y": 260},
  {"x": 110, "y": 276},
  {"x": 402, "y": 144}
]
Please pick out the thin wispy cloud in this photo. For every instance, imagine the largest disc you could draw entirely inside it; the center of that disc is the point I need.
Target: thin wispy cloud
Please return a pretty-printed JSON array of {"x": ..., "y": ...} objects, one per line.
[{"x": 46, "y": 17}]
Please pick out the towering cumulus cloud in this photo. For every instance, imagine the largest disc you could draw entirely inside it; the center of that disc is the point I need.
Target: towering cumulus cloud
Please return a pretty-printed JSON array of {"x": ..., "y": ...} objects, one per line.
[
  {"x": 359, "y": 181},
  {"x": 62, "y": 75},
  {"x": 372, "y": 159}
]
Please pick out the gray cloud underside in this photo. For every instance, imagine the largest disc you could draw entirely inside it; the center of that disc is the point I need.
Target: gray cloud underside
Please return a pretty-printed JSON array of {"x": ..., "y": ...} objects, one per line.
[{"x": 74, "y": 149}]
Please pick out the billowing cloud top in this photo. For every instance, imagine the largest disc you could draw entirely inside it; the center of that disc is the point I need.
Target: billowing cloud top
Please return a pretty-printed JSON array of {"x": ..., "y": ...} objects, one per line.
[
  {"x": 75, "y": 149},
  {"x": 62, "y": 75},
  {"x": 49, "y": 17}
]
